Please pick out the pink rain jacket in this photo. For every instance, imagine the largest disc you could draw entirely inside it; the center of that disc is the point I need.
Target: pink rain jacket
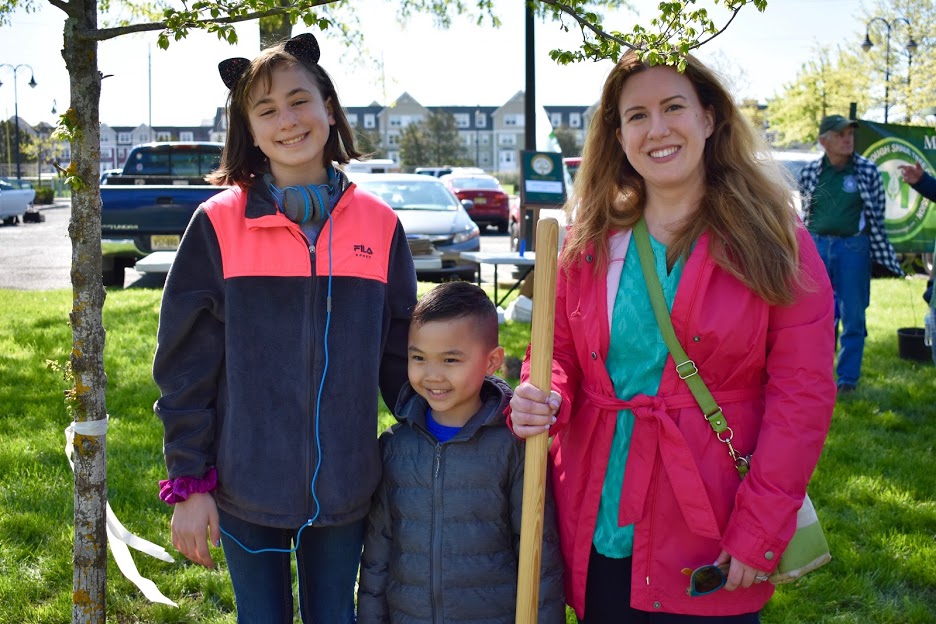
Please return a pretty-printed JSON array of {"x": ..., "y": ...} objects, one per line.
[{"x": 769, "y": 369}]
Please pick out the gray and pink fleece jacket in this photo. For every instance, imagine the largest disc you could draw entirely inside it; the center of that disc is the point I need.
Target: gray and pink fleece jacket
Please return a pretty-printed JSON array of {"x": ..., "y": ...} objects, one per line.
[{"x": 247, "y": 310}]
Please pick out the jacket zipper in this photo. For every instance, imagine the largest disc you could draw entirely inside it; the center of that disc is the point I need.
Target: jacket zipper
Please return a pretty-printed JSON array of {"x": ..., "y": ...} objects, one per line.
[
  {"x": 311, "y": 506},
  {"x": 436, "y": 536}
]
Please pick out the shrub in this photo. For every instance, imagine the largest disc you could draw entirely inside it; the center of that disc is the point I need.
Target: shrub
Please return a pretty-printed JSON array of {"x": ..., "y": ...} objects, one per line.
[
  {"x": 509, "y": 179},
  {"x": 44, "y": 195}
]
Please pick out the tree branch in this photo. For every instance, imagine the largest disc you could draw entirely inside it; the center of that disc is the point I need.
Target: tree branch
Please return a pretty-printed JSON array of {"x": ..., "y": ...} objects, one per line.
[
  {"x": 585, "y": 24},
  {"x": 734, "y": 14},
  {"x": 673, "y": 28},
  {"x": 103, "y": 34},
  {"x": 58, "y": 4}
]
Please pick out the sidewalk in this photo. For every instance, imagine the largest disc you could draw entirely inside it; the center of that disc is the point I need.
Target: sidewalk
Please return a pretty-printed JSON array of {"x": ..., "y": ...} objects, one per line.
[
  {"x": 58, "y": 202},
  {"x": 34, "y": 211}
]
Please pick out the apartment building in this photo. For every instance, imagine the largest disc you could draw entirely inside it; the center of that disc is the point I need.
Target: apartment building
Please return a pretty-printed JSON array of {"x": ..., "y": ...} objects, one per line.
[{"x": 493, "y": 136}]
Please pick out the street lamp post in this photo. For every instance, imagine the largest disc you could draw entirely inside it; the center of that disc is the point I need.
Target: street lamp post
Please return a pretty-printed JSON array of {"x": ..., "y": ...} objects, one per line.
[
  {"x": 39, "y": 160},
  {"x": 32, "y": 84},
  {"x": 477, "y": 142},
  {"x": 911, "y": 48}
]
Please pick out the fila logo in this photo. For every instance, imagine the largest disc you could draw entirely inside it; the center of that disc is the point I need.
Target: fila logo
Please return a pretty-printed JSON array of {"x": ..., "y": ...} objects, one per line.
[{"x": 363, "y": 250}]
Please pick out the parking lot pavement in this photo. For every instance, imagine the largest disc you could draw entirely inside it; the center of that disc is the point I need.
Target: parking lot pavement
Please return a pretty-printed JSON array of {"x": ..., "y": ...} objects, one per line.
[{"x": 37, "y": 256}]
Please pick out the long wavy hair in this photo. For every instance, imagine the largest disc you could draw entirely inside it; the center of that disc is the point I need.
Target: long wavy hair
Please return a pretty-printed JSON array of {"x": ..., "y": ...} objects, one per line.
[
  {"x": 242, "y": 162},
  {"x": 747, "y": 204}
]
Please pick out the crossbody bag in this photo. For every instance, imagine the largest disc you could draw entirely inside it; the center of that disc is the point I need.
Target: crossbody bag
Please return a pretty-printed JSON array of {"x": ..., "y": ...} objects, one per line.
[{"x": 808, "y": 549}]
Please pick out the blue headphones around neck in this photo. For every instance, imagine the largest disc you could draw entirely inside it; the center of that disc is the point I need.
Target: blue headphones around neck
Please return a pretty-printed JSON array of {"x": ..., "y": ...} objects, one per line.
[{"x": 307, "y": 203}]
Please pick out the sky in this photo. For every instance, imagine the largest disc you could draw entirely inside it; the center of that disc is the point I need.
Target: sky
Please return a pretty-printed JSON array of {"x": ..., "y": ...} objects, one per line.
[{"x": 465, "y": 66}]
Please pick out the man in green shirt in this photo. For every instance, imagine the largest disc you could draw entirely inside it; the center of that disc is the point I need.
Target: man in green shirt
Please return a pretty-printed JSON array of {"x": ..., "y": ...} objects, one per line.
[{"x": 843, "y": 204}]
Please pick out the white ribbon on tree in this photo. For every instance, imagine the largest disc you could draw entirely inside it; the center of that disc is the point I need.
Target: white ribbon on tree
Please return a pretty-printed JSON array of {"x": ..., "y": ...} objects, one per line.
[{"x": 118, "y": 537}]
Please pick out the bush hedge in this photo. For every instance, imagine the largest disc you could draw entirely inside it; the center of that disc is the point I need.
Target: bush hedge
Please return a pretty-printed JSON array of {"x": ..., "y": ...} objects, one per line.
[{"x": 44, "y": 195}]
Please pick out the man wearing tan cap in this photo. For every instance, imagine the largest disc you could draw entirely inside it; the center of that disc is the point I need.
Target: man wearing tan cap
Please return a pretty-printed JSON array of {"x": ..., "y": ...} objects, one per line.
[{"x": 843, "y": 204}]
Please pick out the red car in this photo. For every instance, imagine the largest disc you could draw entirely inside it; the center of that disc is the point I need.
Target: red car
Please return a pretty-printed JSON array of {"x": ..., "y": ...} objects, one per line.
[
  {"x": 489, "y": 201},
  {"x": 572, "y": 164}
]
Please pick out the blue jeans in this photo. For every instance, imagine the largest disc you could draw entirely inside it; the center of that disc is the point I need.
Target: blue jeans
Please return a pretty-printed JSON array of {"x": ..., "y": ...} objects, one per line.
[
  {"x": 848, "y": 261},
  {"x": 327, "y": 563}
]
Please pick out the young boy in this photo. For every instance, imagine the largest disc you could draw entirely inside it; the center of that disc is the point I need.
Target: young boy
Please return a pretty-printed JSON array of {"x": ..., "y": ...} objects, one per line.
[{"x": 443, "y": 534}]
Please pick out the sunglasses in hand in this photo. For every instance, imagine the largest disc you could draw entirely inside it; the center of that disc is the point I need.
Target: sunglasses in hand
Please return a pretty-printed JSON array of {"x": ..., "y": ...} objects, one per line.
[{"x": 706, "y": 579}]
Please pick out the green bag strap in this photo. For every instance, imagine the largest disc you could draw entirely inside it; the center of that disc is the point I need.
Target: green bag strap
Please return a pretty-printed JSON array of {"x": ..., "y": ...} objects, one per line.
[{"x": 685, "y": 368}]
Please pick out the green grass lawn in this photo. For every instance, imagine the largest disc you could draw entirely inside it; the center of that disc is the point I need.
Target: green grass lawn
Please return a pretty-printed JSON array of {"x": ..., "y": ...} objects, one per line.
[{"x": 875, "y": 487}]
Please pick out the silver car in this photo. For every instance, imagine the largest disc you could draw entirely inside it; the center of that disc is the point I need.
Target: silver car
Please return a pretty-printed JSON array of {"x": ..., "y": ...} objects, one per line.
[{"x": 435, "y": 221}]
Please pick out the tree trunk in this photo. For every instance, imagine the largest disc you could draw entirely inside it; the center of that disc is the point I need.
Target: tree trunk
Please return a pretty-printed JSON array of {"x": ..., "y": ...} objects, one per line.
[
  {"x": 87, "y": 356},
  {"x": 274, "y": 29}
]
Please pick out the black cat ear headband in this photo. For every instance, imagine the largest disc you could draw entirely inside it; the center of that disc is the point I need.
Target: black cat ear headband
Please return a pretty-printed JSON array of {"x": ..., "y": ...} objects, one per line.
[{"x": 303, "y": 47}]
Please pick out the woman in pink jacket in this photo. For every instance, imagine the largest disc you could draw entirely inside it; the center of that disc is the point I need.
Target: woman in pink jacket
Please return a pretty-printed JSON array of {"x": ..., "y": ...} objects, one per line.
[{"x": 645, "y": 491}]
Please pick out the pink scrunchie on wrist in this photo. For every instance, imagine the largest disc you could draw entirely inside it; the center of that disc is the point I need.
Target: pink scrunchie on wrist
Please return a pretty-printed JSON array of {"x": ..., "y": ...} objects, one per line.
[{"x": 172, "y": 491}]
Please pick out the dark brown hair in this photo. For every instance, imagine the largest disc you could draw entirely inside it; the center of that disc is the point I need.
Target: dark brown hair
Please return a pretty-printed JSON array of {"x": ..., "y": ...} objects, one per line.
[{"x": 454, "y": 300}]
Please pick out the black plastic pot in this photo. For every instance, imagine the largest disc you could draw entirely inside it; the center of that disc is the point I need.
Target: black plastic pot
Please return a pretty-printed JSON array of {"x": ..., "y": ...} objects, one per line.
[{"x": 910, "y": 345}]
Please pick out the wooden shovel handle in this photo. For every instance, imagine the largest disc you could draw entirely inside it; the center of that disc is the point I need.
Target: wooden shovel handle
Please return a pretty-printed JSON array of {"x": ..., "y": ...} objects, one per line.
[{"x": 534, "y": 480}]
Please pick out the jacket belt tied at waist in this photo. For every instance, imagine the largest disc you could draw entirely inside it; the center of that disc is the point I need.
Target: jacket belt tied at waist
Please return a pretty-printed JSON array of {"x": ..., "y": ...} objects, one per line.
[{"x": 654, "y": 429}]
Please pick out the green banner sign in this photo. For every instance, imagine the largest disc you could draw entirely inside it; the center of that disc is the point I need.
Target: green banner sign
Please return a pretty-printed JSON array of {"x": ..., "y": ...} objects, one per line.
[{"x": 910, "y": 219}]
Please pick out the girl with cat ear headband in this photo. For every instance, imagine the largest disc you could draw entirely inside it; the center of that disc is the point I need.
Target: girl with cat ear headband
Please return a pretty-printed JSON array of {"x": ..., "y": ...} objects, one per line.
[{"x": 263, "y": 412}]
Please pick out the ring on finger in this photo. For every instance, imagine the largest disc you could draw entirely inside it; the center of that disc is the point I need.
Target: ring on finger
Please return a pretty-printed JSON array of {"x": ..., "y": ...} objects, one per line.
[{"x": 760, "y": 578}]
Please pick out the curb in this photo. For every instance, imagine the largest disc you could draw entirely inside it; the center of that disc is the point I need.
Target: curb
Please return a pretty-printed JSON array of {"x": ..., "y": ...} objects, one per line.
[{"x": 59, "y": 202}]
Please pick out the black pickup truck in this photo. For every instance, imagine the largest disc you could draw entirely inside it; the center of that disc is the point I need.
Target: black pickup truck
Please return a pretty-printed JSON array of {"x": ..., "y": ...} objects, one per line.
[{"x": 146, "y": 208}]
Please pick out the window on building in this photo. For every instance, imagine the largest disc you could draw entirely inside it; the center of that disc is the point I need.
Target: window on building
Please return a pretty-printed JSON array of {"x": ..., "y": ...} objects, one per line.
[
  {"x": 187, "y": 136},
  {"x": 507, "y": 158},
  {"x": 106, "y": 153},
  {"x": 462, "y": 120},
  {"x": 370, "y": 121},
  {"x": 555, "y": 119},
  {"x": 124, "y": 137},
  {"x": 352, "y": 119},
  {"x": 575, "y": 120},
  {"x": 393, "y": 139},
  {"x": 507, "y": 139},
  {"x": 480, "y": 120},
  {"x": 163, "y": 136},
  {"x": 513, "y": 120}
]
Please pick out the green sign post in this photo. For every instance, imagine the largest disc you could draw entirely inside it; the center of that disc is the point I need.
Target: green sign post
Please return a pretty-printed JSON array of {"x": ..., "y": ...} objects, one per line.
[
  {"x": 542, "y": 179},
  {"x": 542, "y": 185}
]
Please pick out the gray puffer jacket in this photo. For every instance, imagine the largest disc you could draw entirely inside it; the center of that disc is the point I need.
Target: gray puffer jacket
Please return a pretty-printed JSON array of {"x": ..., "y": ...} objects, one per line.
[{"x": 443, "y": 536}]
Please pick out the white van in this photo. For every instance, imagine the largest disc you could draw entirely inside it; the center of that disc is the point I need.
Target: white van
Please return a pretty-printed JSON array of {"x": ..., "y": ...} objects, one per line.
[
  {"x": 374, "y": 165},
  {"x": 441, "y": 171}
]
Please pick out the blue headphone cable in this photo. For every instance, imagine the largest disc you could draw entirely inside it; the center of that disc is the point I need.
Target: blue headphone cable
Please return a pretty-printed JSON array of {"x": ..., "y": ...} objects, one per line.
[{"x": 318, "y": 406}]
